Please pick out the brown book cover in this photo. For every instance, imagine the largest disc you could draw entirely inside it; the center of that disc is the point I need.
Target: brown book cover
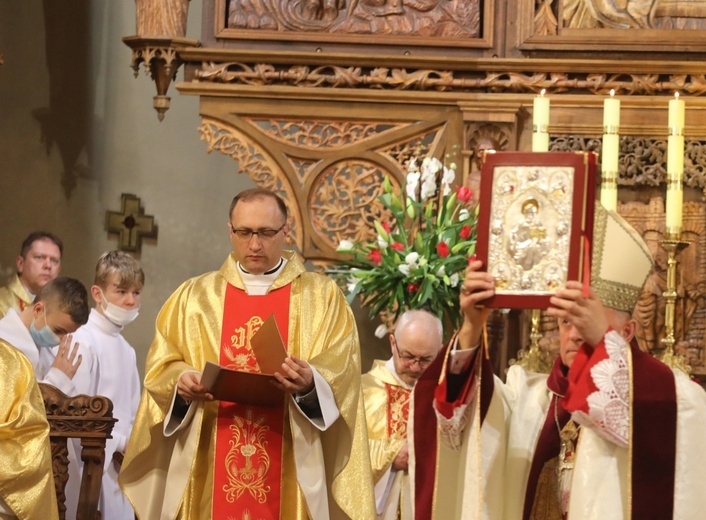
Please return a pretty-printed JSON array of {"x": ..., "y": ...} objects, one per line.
[{"x": 246, "y": 387}]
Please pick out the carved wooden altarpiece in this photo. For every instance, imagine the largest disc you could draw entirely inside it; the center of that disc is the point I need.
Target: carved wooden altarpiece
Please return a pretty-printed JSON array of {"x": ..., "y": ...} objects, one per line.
[{"x": 319, "y": 99}]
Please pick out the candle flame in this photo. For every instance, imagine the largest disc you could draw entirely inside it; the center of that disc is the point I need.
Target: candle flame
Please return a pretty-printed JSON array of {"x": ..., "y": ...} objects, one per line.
[
  {"x": 541, "y": 94},
  {"x": 612, "y": 92},
  {"x": 676, "y": 95}
]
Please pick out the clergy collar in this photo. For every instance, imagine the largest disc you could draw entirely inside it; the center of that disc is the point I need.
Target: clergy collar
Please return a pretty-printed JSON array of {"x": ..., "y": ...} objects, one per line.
[
  {"x": 259, "y": 284},
  {"x": 271, "y": 271},
  {"x": 390, "y": 365}
]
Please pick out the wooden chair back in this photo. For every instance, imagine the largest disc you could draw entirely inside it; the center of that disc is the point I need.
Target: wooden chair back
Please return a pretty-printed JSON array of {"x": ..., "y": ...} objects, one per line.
[{"x": 89, "y": 418}]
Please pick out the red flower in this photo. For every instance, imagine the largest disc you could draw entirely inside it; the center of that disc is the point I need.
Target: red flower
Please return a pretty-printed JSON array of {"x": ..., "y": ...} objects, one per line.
[
  {"x": 399, "y": 246},
  {"x": 465, "y": 231},
  {"x": 464, "y": 193},
  {"x": 375, "y": 256},
  {"x": 386, "y": 226},
  {"x": 413, "y": 287},
  {"x": 443, "y": 249}
]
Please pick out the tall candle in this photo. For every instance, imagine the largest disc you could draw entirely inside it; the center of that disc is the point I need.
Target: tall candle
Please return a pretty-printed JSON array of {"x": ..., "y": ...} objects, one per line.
[
  {"x": 675, "y": 166},
  {"x": 540, "y": 123},
  {"x": 611, "y": 150}
]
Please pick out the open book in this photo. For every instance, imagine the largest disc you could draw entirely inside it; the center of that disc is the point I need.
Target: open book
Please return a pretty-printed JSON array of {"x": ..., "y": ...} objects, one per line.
[{"x": 246, "y": 387}]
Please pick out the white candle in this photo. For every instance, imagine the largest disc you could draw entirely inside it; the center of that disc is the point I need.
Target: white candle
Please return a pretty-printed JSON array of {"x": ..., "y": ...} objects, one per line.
[
  {"x": 675, "y": 165},
  {"x": 610, "y": 152},
  {"x": 540, "y": 123}
]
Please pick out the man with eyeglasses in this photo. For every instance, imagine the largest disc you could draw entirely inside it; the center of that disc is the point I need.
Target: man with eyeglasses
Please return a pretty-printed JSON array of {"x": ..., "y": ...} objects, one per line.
[
  {"x": 415, "y": 344},
  {"x": 190, "y": 457}
]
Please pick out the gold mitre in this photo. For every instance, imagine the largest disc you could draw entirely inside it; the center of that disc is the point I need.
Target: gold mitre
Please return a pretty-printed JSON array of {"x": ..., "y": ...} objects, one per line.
[{"x": 621, "y": 261}]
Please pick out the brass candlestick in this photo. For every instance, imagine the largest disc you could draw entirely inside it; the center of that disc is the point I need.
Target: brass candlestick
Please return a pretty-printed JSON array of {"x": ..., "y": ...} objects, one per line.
[
  {"x": 534, "y": 359},
  {"x": 673, "y": 245}
]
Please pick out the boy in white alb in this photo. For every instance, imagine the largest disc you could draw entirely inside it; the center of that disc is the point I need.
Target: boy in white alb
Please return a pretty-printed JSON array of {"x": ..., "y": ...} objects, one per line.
[{"x": 118, "y": 283}]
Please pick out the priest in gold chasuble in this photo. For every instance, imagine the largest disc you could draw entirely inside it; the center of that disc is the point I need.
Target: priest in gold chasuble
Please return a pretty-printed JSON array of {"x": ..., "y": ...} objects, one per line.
[
  {"x": 26, "y": 479},
  {"x": 191, "y": 457},
  {"x": 386, "y": 391}
]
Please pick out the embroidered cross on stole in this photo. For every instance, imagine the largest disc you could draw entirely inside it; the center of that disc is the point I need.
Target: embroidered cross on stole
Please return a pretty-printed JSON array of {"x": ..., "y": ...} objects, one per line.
[
  {"x": 397, "y": 411},
  {"x": 248, "y": 453}
]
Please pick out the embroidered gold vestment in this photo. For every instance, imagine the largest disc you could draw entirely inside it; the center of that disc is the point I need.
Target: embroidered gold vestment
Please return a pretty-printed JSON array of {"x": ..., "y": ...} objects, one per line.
[
  {"x": 26, "y": 480},
  {"x": 188, "y": 333}
]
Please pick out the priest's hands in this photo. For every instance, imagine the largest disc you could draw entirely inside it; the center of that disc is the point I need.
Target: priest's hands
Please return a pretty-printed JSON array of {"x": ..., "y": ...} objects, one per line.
[
  {"x": 477, "y": 287},
  {"x": 586, "y": 314},
  {"x": 189, "y": 388},
  {"x": 67, "y": 359},
  {"x": 401, "y": 462},
  {"x": 296, "y": 377}
]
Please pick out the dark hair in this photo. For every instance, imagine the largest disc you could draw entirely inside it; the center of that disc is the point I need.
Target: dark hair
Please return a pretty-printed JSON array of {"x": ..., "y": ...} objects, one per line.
[
  {"x": 258, "y": 193},
  {"x": 40, "y": 235},
  {"x": 70, "y": 295}
]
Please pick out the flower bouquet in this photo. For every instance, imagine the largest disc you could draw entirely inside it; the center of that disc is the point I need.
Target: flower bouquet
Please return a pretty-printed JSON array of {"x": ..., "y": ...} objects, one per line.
[{"x": 420, "y": 254}]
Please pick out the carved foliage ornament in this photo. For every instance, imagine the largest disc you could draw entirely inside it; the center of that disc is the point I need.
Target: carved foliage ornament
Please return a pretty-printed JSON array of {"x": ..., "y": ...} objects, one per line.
[{"x": 330, "y": 76}]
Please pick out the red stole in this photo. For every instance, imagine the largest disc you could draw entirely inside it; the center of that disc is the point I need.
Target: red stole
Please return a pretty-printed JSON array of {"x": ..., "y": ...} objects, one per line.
[
  {"x": 397, "y": 411},
  {"x": 248, "y": 452},
  {"x": 653, "y": 403},
  {"x": 431, "y": 387}
]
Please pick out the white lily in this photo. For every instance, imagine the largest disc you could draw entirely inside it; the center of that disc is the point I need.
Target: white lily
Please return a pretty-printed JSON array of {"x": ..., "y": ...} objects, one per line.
[
  {"x": 381, "y": 331},
  {"x": 453, "y": 280},
  {"x": 412, "y": 258},
  {"x": 344, "y": 245}
]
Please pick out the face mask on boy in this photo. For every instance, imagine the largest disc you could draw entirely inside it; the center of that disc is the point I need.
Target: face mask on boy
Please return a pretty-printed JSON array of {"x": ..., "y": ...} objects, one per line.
[
  {"x": 116, "y": 314},
  {"x": 44, "y": 337}
]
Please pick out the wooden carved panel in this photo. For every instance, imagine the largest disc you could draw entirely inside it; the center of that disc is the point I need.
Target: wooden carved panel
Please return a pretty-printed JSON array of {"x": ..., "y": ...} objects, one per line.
[
  {"x": 690, "y": 322},
  {"x": 597, "y": 24},
  {"x": 643, "y": 14},
  {"x": 329, "y": 171},
  {"x": 643, "y": 160},
  {"x": 428, "y": 23}
]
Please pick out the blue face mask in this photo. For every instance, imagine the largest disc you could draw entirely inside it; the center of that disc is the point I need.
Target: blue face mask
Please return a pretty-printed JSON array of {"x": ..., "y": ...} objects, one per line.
[{"x": 44, "y": 337}]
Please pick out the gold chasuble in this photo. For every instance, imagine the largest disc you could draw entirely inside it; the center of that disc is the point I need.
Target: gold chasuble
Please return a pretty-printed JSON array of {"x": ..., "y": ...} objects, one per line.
[
  {"x": 26, "y": 480},
  {"x": 386, "y": 411},
  {"x": 249, "y": 438},
  {"x": 14, "y": 296},
  {"x": 169, "y": 472}
]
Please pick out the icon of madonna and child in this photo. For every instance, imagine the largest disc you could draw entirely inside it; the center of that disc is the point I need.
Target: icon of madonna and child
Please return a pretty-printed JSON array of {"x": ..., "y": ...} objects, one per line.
[{"x": 529, "y": 239}]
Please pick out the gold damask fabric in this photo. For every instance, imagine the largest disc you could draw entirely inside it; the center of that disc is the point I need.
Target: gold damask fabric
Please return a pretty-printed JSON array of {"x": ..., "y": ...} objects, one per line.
[
  {"x": 26, "y": 480},
  {"x": 13, "y": 296},
  {"x": 321, "y": 331},
  {"x": 384, "y": 442}
]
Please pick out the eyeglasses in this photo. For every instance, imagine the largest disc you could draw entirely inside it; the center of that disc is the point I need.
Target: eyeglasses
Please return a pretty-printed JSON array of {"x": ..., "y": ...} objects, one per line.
[
  {"x": 423, "y": 361},
  {"x": 246, "y": 234}
]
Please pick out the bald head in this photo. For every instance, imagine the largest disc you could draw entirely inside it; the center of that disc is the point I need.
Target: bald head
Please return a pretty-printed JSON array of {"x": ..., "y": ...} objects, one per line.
[{"x": 415, "y": 344}]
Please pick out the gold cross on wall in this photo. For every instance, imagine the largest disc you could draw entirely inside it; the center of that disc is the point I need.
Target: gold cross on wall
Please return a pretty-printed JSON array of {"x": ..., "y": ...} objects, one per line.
[{"x": 131, "y": 223}]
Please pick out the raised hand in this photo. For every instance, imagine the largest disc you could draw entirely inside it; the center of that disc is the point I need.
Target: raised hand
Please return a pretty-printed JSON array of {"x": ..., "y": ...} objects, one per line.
[
  {"x": 476, "y": 287},
  {"x": 67, "y": 359},
  {"x": 586, "y": 314}
]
